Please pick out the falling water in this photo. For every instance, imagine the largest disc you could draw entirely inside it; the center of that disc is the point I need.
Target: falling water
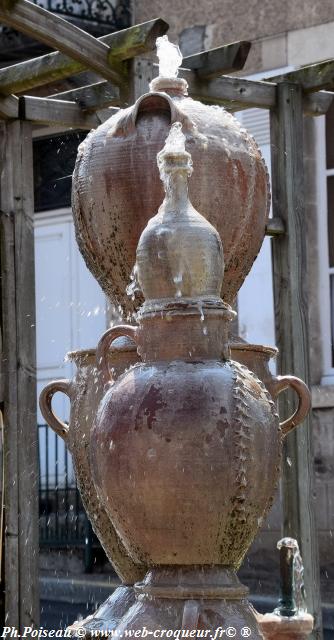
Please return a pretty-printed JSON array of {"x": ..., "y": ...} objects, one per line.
[
  {"x": 134, "y": 285},
  {"x": 298, "y": 588}
]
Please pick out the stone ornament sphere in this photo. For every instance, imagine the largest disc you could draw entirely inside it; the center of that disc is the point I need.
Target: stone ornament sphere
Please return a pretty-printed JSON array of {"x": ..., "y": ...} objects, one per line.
[
  {"x": 117, "y": 189},
  {"x": 185, "y": 459},
  {"x": 85, "y": 391}
]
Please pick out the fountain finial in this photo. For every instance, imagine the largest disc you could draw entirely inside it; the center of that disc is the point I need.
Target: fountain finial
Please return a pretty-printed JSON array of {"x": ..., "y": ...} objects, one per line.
[{"x": 179, "y": 254}]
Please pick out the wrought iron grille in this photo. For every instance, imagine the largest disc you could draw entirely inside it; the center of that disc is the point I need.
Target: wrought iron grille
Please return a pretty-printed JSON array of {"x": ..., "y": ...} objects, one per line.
[
  {"x": 113, "y": 13},
  {"x": 62, "y": 518},
  {"x": 98, "y": 17}
]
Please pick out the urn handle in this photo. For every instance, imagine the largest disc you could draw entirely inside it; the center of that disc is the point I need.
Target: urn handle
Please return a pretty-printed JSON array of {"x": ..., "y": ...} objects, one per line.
[
  {"x": 105, "y": 343},
  {"x": 45, "y": 404},
  {"x": 304, "y": 400}
]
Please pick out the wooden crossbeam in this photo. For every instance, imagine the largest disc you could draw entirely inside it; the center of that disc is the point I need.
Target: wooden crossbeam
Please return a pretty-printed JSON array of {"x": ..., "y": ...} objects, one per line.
[
  {"x": 86, "y": 108},
  {"x": 311, "y": 78},
  {"x": 237, "y": 94},
  {"x": 317, "y": 104},
  {"x": 136, "y": 40},
  {"x": 46, "y": 111},
  {"x": 40, "y": 24},
  {"x": 9, "y": 108},
  {"x": 91, "y": 97},
  {"x": 52, "y": 67},
  {"x": 218, "y": 61},
  {"x": 233, "y": 93}
]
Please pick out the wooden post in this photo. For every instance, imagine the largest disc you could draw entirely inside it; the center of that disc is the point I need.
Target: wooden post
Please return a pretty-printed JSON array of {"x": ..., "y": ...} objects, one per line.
[
  {"x": 141, "y": 74},
  {"x": 291, "y": 316},
  {"x": 19, "y": 368}
]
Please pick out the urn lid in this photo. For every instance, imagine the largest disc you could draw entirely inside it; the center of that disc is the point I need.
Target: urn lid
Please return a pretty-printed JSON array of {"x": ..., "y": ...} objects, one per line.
[{"x": 179, "y": 254}]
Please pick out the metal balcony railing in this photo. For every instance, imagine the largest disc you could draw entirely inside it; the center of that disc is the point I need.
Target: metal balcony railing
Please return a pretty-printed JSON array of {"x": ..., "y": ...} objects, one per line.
[
  {"x": 63, "y": 522},
  {"x": 112, "y": 13},
  {"x": 95, "y": 16}
]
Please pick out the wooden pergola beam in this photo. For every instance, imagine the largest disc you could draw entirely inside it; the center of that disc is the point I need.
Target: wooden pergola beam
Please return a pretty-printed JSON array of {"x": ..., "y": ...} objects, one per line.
[
  {"x": 86, "y": 108},
  {"x": 228, "y": 90},
  {"x": 9, "y": 108},
  {"x": 218, "y": 61},
  {"x": 237, "y": 94},
  {"x": 102, "y": 94},
  {"x": 91, "y": 97},
  {"x": 58, "y": 33},
  {"x": 123, "y": 45},
  {"x": 58, "y": 112},
  {"x": 313, "y": 77},
  {"x": 46, "y": 111}
]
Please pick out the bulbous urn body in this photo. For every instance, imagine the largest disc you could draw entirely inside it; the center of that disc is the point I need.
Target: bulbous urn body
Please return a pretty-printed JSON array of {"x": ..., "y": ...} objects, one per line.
[
  {"x": 116, "y": 186},
  {"x": 85, "y": 391},
  {"x": 185, "y": 459}
]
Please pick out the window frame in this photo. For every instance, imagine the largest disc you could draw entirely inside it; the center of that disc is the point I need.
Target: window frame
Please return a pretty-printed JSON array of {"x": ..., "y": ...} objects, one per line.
[{"x": 322, "y": 174}]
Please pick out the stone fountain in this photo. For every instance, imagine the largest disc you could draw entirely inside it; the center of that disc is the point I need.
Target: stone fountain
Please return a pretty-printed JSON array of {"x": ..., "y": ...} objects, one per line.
[{"x": 176, "y": 446}]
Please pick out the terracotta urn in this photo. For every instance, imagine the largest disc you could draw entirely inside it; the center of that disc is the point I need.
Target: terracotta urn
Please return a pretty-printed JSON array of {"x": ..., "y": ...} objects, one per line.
[
  {"x": 257, "y": 357},
  {"x": 85, "y": 391},
  {"x": 116, "y": 186},
  {"x": 186, "y": 445}
]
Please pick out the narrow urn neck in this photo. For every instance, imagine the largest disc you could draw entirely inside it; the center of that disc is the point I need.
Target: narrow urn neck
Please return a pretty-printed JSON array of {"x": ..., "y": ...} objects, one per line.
[
  {"x": 176, "y": 198},
  {"x": 190, "y": 331}
]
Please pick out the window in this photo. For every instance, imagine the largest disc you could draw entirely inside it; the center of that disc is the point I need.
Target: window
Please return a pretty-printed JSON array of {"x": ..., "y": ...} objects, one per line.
[
  {"x": 330, "y": 214},
  {"x": 54, "y": 159}
]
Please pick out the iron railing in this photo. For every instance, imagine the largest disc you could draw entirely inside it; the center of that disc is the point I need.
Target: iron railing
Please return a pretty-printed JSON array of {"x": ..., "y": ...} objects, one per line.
[
  {"x": 63, "y": 522},
  {"x": 112, "y": 13},
  {"x": 98, "y": 17}
]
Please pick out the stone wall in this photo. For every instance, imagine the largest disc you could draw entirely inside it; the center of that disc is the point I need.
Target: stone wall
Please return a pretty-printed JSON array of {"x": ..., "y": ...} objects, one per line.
[{"x": 276, "y": 29}]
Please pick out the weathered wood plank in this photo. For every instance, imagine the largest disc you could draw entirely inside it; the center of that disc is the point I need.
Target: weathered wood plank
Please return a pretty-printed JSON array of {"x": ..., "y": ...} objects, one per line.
[
  {"x": 275, "y": 227},
  {"x": 136, "y": 40},
  {"x": 58, "y": 33},
  {"x": 51, "y": 67},
  {"x": 291, "y": 316},
  {"x": 19, "y": 363},
  {"x": 91, "y": 97},
  {"x": 26, "y": 376},
  {"x": 9, "y": 107},
  {"x": 221, "y": 60},
  {"x": 96, "y": 98},
  {"x": 233, "y": 92},
  {"x": 9, "y": 354},
  {"x": 237, "y": 94},
  {"x": 47, "y": 111},
  {"x": 100, "y": 94},
  {"x": 313, "y": 77},
  {"x": 141, "y": 74},
  {"x": 317, "y": 104}
]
